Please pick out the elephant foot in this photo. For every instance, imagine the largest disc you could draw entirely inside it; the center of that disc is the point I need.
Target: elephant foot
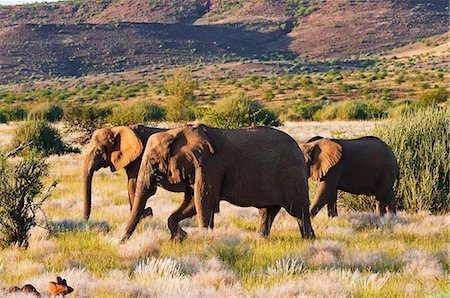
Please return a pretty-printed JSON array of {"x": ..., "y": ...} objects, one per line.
[
  {"x": 148, "y": 212},
  {"x": 179, "y": 236}
]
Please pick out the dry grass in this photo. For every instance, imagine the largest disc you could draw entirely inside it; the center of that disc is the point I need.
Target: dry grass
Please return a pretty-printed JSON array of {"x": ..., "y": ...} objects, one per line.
[{"x": 355, "y": 254}]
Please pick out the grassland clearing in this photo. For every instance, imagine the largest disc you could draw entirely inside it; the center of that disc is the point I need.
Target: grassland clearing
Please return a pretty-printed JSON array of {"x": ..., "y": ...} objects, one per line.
[{"x": 355, "y": 254}]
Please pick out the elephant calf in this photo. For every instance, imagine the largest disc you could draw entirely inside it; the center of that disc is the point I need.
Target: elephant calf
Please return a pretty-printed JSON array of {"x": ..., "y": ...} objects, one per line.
[
  {"x": 260, "y": 167},
  {"x": 359, "y": 166}
]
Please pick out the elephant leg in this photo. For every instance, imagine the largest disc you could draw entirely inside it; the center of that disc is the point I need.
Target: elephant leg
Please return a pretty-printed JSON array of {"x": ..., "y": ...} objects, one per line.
[
  {"x": 302, "y": 215},
  {"x": 380, "y": 207},
  {"x": 385, "y": 201},
  {"x": 326, "y": 194},
  {"x": 206, "y": 196},
  {"x": 332, "y": 209},
  {"x": 131, "y": 192},
  {"x": 266, "y": 218},
  {"x": 186, "y": 210}
]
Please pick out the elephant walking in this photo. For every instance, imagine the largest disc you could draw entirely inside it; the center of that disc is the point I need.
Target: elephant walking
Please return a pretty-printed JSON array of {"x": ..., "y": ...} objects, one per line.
[
  {"x": 119, "y": 148},
  {"x": 260, "y": 167},
  {"x": 359, "y": 166}
]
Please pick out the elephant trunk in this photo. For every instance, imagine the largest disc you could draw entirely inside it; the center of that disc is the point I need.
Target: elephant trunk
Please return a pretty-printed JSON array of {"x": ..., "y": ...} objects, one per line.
[
  {"x": 144, "y": 189},
  {"x": 88, "y": 172}
]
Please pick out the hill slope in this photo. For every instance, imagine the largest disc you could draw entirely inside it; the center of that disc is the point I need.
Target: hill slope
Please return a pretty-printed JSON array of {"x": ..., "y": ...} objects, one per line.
[{"x": 79, "y": 37}]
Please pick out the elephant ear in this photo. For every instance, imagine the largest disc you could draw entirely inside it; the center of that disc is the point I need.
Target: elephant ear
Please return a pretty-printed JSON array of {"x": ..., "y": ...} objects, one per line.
[
  {"x": 191, "y": 148},
  {"x": 127, "y": 147},
  {"x": 321, "y": 155}
]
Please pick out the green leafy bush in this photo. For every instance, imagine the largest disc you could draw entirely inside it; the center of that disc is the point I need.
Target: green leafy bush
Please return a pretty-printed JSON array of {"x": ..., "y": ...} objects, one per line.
[
  {"x": 15, "y": 113},
  {"x": 20, "y": 186},
  {"x": 303, "y": 110},
  {"x": 180, "y": 89},
  {"x": 86, "y": 118},
  {"x": 240, "y": 111},
  {"x": 433, "y": 97},
  {"x": 46, "y": 139},
  {"x": 135, "y": 114},
  {"x": 348, "y": 110},
  {"x": 3, "y": 117},
  {"x": 358, "y": 203},
  {"x": 48, "y": 112},
  {"x": 420, "y": 142}
]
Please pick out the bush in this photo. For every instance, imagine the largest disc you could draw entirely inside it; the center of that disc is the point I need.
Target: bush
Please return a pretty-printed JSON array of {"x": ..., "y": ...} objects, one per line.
[
  {"x": 135, "y": 114},
  {"x": 48, "y": 112},
  {"x": 46, "y": 139},
  {"x": 180, "y": 89},
  {"x": 3, "y": 117},
  {"x": 348, "y": 110},
  {"x": 20, "y": 185},
  {"x": 357, "y": 203},
  {"x": 433, "y": 97},
  {"x": 86, "y": 118},
  {"x": 239, "y": 111},
  {"x": 420, "y": 143},
  {"x": 15, "y": 113},
  {"x": 303, "y": 110}
]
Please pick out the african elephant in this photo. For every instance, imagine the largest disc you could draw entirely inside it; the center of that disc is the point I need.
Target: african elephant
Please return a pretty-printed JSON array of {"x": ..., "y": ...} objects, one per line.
[
  {"x": 359, "y": 166},
  {"x": 260, "y": 167},
  {"x": 119, "y": 147}
]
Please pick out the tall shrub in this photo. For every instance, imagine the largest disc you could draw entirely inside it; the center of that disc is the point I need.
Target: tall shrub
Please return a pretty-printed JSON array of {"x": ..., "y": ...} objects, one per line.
[
  {"x": 348, "y": 110},
  {"x": 420, "y": 141},
  {"x": 20, "y": 189},
  {"x": 180, "y": 89},
  {"x": 86, "y": 119},
  {"x": 46, "y": 139},
  {"x": 136, "y": 113},
  {"x": 239, "y": 111}
]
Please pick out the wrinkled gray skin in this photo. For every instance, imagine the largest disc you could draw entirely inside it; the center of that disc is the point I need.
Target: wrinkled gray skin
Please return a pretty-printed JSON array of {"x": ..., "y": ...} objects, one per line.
[
  {"x": 120, "y": 147},
  {"x": 260, "y": 167},
  {"x": 360, "y": 166}
]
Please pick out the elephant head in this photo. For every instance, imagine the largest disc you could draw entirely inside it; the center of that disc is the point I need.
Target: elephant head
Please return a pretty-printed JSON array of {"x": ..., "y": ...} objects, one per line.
[
  {"x": 172, "y": 155},
  {"x": 320, "y": 156},
  {"x": 109, "y": 147}
]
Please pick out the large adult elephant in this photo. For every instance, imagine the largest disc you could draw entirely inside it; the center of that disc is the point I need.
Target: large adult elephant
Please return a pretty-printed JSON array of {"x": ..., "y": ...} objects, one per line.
[
  {"x": 359, "y": 166},
  {"x": 119, "y": 148},
  {"x": 260, "y": 167}
]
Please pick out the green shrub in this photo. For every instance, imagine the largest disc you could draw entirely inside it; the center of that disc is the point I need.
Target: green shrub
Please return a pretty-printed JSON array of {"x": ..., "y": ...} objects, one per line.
[
  {"x": 357, "y": 203},
  {"x": 20, "y": 185},
  {"x": 433, "y": 97},
  {"x": 15, "y": 113},
  {"x": 420, "y": 142},
  {"x": 153, "y": 112},
  {"x": 348, "y": 110},
  {"x": 86, "y": 118},
  {"x": 49, "y": 112},
  {"x": 135, "y": 114},
  {"x": 239, "y": 111},
  {"x": 268, "y": 95},
  {"x": 180, "y": 89},
  {"x": 303, "y": 110},
  {"x": 46, "y": 139},
  {"x": 3, "y": 117},
  {"x": 401, "y": 110}
]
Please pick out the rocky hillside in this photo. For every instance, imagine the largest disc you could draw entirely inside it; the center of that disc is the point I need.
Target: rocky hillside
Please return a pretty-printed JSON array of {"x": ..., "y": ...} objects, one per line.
[{"x": 72, "y": 38}]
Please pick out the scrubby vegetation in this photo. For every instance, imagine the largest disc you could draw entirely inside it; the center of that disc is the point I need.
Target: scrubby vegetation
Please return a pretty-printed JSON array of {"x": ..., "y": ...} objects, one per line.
[
  {"x": 21, "y": 197},
  {"x": 138, "y": 113},
  {"x": 421, "y": 144},
  {"x": 180, "y": 89},
  {"x": 351, "y": 110},
  {"x": 49, "y": 112},
  {"x": 239, "y": 111},
  {"x": 45, "y": 138}
]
